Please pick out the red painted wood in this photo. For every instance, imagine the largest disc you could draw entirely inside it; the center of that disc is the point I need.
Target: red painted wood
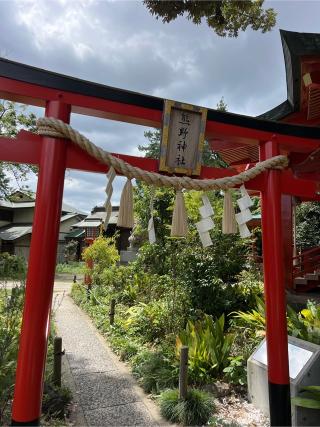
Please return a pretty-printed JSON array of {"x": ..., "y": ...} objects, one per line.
[
  {"x": 287, "y": 238},
  {"x": 303, "y": 188},
  {"x": 37, "y": 95},
  {"x": 276, "y": 330},
  {"x": 25, "y": 148},
  {"x": 40, "y": 277}
]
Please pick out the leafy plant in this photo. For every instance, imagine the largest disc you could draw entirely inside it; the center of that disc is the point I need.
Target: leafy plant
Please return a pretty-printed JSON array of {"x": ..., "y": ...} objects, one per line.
[
  {"x": 12, "y": 266},
  {"x": 103, "y": 253},
  {"x": 55, "y": 401},
  {"x": 310, "y": 317},
  {"x": 155, "y": 371},
  {"x": 236, "y": 372},
  {"x": 254, "y": 319},
  {"x": 195, "y": 410},
  {"x": 310, "y": 397},
  {"x": 209, "y": 348},
  {"x": 308, "y": 225},
  {"x": 11, "y": 302},
  {"x": 304, "y": 325},
  {"x": 148, "y": 320}
]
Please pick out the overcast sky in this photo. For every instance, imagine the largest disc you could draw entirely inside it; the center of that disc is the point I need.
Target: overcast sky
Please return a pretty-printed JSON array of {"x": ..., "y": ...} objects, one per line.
[{"x": 118, "y": 43}]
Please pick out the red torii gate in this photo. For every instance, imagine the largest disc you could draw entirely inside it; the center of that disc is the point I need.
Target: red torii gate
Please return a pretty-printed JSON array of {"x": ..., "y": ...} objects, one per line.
[{"x": 62, "y": 95}]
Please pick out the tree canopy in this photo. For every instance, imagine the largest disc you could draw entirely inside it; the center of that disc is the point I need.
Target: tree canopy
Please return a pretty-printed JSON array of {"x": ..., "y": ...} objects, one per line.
[
  {"x": 12, "y": 120},
  {"x": 308, "y": 225},
  {"x": 225, "y": 17}
]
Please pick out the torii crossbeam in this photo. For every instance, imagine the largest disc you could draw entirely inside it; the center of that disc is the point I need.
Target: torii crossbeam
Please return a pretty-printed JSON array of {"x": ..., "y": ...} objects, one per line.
[{"x": 60, "y": 96}]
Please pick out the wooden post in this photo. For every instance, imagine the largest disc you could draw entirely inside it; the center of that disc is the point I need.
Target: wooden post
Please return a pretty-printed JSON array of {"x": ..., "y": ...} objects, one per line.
[
  {"x": 112, "y": 311},
  {"x": 183, "y": 374},
  {"x": 57, "y": 355}
]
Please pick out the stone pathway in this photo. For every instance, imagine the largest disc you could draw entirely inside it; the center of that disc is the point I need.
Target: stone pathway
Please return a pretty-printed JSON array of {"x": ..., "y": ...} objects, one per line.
[{"x": 104, "y": 391}]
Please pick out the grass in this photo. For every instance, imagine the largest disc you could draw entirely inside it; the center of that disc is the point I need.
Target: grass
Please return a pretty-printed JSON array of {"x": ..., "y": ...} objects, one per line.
[
  {"x": 195, "y": 410},
  {"x": 71, "y": 268}
]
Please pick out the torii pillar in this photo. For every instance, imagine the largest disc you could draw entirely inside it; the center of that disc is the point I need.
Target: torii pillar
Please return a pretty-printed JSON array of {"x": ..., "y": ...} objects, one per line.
[
  {"x": 275, "y": 297},
  {"x": 40, "y": 277}
]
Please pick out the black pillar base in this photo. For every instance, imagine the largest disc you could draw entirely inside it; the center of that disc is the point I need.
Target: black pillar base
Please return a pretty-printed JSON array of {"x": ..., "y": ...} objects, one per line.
[
  {"x": 35, "y": 422},
  {"x": 280, "y": 405}
]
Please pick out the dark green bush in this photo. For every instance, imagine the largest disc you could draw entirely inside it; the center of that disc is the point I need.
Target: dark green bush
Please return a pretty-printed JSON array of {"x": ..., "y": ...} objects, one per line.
[
  {"x": 12, "y": 266},
  {"x": 194, "y": 411},
  {"x": 55, "y": 401},
  {"x": 236, "y": 372},
  {"x": 11, "y": 303},
  {"x": 78, "y": 293},
  {"x": 155, "y": 371}
]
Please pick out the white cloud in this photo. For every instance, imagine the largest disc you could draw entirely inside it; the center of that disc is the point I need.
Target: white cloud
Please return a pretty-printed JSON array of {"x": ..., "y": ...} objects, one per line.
[{"x": 118, "y": 43}]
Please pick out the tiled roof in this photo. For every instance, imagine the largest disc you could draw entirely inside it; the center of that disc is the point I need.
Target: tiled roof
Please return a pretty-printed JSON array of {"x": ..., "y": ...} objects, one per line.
[{"x": 14, "y": 232}]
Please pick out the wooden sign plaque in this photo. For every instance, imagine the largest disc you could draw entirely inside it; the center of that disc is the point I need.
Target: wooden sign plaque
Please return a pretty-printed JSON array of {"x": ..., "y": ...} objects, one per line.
[{"x": 182, "y": 138}]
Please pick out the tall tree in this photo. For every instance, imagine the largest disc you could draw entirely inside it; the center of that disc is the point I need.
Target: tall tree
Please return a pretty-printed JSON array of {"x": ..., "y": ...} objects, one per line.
[
  {"x": 13, "y": 118},
  {"x": 225, "y": 17}
]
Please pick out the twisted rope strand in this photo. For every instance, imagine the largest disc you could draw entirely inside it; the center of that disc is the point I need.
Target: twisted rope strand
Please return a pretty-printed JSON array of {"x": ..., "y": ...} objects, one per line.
[{"x": 58, "y": 129}]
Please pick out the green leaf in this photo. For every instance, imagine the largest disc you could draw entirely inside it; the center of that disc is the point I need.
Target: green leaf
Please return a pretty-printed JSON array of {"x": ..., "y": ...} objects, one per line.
[{"x": 306, "y": 403}]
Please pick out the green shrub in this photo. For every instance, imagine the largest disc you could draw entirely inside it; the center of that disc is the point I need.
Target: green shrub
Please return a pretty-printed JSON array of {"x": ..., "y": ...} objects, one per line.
[
  {"x": 150, "y": 321},
  {"x": 154, "y": 259},
  {"x": 249, "y": 286},
  {"x": 129, "y": 350},
  {"x": 78, "y": 293},
  {"x": 195, "y": 410},
  {"x": 236, "y": 372},
  {"x": 12, "y": 266},
  {"x": 304, "y": 325},
  {"x": 155, "y": 371},
  {"x": 11, "y": 303},
  {"x": 209, "y": 348},
  {"x": 103, "y": 253},
  {"x": 55, "y": 401},
  {"x": 254, "y": 319},
  {"x": 310, "y": 317}
]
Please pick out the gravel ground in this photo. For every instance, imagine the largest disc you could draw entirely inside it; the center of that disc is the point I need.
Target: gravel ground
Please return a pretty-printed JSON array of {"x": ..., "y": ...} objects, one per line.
[{"x": 237, "y": 411}]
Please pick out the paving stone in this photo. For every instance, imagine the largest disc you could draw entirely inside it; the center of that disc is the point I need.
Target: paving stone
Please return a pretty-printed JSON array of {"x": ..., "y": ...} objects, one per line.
[
  {"x": 84, "y": 365},
  {"x": 132, "y": 414},
  {"x": 104, "y": 389}
]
